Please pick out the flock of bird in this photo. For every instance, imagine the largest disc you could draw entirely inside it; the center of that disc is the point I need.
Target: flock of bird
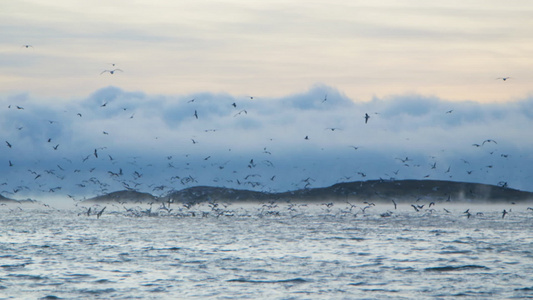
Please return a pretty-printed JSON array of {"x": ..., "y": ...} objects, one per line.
[
  {"x": 129, "y": 173},
  {"x": 287, "y": 208}
]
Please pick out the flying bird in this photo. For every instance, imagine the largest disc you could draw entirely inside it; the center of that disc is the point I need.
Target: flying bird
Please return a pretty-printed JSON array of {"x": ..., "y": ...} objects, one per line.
[
  {"x": 196, "y": 114},
  {"x": 111, "y": 71},
  {"x": 242, "y": 111},
  {"x": 488, "y": 141},
  {"x": 503, "y": 78},
  {"x": 366, "y": 118},
  {"x": 100, "y": 213},
  {"x": 8, "y": 144},
  {"x": 26, "y": 46}
]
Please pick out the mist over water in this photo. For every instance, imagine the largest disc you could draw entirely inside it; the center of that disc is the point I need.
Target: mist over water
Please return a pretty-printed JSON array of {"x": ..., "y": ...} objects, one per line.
[
  {"x": 274, "y": 250},
  {"x": 115, "y": 140}
]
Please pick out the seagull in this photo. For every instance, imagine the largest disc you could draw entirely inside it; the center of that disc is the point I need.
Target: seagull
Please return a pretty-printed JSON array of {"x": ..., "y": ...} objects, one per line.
[
  {"x": 111, "y": 71},
  {"x": 488, "y": 141},
  {"x": 366, "y": 118},
  {"x": 504, "y": 213},
  {"x": 100, "y": 213},
  {"x": 196, "y": 114},
  {"x": 8, "y": 144},
  {"x": 26, "y": 46},
  {"x": 503, "y": 78},
  {"x": 242, "y": 111},
  {"x": 332, "y": 128},
  {"x": 450, "y": 111}
]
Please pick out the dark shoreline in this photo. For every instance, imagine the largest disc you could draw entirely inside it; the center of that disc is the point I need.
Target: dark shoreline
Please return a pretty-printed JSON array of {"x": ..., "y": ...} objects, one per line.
[{"x": 401, "y": 191}]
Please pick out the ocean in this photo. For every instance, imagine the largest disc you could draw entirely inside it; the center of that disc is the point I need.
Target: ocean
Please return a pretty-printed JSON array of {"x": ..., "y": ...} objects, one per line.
[{"x": 266, "y": 251}]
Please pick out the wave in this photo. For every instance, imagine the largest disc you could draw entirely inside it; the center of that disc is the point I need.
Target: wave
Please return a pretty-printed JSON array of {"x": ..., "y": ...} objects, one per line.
[
  {"x": 293, "y": 280},
  {"x": 455, "y": 268}
]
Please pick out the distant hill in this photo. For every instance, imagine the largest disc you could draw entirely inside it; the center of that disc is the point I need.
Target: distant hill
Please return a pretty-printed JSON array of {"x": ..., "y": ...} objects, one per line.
[
  {"x": 6, "y": 200},
  {"x": 374, "y": 190},
  {"x": 124, "y": 196}
]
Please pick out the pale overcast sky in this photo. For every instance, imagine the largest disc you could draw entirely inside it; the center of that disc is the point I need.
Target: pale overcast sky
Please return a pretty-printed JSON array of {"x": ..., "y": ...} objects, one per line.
[{"x": 453, "y": 49}]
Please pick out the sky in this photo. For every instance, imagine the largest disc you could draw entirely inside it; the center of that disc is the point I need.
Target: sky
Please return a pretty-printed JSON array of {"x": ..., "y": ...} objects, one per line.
[{"x": 260, "y": 77}]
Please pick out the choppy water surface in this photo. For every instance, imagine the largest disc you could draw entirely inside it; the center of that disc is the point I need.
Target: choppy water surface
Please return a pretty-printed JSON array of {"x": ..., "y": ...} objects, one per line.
[{"x": 278, "y": 252}]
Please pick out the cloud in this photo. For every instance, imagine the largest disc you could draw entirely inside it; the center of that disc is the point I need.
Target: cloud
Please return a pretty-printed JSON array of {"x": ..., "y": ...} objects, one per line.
[{"x": 157, "y": 144}]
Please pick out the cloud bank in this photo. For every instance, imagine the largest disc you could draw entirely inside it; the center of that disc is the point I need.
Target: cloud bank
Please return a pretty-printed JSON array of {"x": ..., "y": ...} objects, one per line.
[{"x": 116, "y": 139}]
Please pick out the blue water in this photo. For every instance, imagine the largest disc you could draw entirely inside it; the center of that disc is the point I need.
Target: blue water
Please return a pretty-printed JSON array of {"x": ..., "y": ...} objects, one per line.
[{"x": 274, "y": 251}]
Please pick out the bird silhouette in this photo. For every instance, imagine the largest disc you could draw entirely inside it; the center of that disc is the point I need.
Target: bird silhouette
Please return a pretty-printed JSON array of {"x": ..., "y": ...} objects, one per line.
[
  {"x": 242, "y": 111},
  {"x": 366, "y": 118},
  {"x": 504, "y": 213},
  {"x": 503, "y": 78},
  {"x": 111, "y": 71},
  {"x": 488, "y": 141}
]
